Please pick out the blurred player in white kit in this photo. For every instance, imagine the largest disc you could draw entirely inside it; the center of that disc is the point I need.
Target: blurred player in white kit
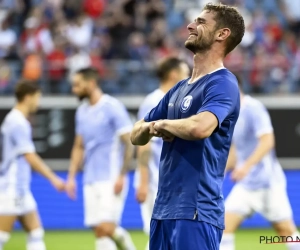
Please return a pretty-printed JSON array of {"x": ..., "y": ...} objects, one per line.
[
  {"x": 102, "y": 144},
  {"x": 261, "y": 183},
  {"x": 169, "y": 71},
  {"x": 17, "y": 157}
]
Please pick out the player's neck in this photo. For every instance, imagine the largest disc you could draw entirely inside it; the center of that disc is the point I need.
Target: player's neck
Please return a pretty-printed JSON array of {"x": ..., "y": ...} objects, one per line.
[
  {"x": 204, "y": 64},
  {"x": 95, "y": 96},
  {"x": 23, "y": 109}
]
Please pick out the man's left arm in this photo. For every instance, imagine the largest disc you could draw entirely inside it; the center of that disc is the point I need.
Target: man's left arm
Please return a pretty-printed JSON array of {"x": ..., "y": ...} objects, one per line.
[
  {"x": 196, "y": 127},
  {"x": 128, "y": 153},
  {"x": 263, "y": 129},
  {"x": 123, "y": 126},
  {"x": 220, "y": 97}
]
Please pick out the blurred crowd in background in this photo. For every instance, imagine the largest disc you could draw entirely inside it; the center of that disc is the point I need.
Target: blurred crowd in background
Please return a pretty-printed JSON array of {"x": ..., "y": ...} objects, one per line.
[{"x": 48, "y": 40}]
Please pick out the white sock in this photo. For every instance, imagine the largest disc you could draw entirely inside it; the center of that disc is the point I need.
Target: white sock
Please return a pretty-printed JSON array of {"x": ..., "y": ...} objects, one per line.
[
  {"x": 36, "y": 245},
  {"x": 147, "y": 246},
  {"x": 4, "y": 237},
  {"x": 105, "y": 243},
  {"x": 35, "y": 240},
  {"x": 294, "y": 246},
  {"x": 122, "y": 239},
  {"x": 228, "y": 242}
]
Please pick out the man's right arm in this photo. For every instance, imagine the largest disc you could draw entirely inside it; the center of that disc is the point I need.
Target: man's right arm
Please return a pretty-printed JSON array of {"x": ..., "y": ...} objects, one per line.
[
  {"x": 25, "y": 146},
  {"x": 76, "y": 157},
  {"x": 76, "y": 161},
  {"x": 39, "y": 166}
]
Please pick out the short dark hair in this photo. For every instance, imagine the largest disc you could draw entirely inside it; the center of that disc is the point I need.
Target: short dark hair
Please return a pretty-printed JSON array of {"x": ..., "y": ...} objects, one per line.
[
  {"x": 228, "y": 17},
  {"x": 89, "y": 73},
  {"x": 26, "y": 87},
  {"x": 166, "y": 66}
]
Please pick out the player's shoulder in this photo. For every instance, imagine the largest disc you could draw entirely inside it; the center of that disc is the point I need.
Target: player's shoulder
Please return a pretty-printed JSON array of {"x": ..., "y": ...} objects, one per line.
[
  {"x": 82, "y": 107},
  {"x": 153, "y": 98},
  {"x": 15, "y": 119},
  {"x": 223, "y": 75},
  {"x": 253, "y": 103},
  {"x": 111, "y": 101}
]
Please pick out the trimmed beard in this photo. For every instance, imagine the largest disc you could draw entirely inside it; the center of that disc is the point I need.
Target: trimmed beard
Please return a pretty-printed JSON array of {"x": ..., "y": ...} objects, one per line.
[{"x": 200, "y": 45}]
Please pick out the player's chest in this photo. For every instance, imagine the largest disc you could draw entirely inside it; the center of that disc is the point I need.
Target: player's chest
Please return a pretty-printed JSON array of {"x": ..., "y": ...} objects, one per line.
[
  {"x": 185, "y": 102},
  {"x": 93, "y": 121}
]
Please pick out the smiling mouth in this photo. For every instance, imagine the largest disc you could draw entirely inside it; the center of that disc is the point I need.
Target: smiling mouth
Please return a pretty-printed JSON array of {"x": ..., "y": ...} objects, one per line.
[{"x": 193, "y": 35}]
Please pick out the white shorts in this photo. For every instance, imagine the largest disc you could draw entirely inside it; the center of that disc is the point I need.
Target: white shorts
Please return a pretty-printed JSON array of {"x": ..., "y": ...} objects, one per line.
[
  {"x": 17, "y": 205},
  {"x": 101, "y": 204},
  {"x": 147, "y": 210},
  {"x": 272, "y": 203}
]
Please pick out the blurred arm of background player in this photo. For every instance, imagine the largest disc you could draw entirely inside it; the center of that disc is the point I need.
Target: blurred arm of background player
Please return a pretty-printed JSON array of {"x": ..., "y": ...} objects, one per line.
[
  {"x": 143, "y": 156},
  {"x": 128, "y": 154},
  {"x": 39, "y": 166},
  {"x": 76, "y": 161},
  {"x": 231, "y": 161},
  {"x": 266, "y": 143}
]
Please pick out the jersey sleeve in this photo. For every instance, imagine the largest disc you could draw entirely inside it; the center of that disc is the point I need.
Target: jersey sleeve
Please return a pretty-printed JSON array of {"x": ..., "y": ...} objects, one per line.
[
  {"x": 261, "y": 121},
  {"x": 78, "y": 129},
  {"x": 22, "y": 139},
  {"x": 121, "y": 120},
  {"x": 160, "y": 112},
  {"x": 220, "y": 98}
]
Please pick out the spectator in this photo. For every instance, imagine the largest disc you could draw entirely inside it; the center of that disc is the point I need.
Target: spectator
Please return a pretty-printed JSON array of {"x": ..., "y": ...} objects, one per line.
[
  {"x": 79, "y": 32},
  {"x": 94, "y": 8},
  {"x": 5, "y": 79},
  {"x": 8, "y": 40},
  {"x": 56, "y": 64},
  {"x": 32, "y": 69},
  {"x": 138, "y": 50},
  {"x": 36, "y": 37},
  {"x": 77, "y": 60}
]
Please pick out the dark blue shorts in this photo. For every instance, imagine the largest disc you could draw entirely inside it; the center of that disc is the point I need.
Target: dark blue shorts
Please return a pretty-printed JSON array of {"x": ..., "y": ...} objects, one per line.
[{"x": 184, "y": 235}]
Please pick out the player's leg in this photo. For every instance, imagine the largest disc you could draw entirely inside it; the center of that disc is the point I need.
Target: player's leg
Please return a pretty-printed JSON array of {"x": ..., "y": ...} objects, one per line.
[
  {"x": 32, "y": 224},
  {"x": 102, "y": 213},
  {"x": 8, "y": 216},
  {"x": 238, "y": 205},
  {"x": 146, "y": 212},
  {"x": 92, "y": 213},
  {"x": 6, "y": 226},
  {"x": 279, "y": 212},
  {"x": 121, "y": 237}
]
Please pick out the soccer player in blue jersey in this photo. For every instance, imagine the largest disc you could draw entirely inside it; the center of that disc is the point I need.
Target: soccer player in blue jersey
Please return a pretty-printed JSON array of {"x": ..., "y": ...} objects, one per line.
[
  {"x": 17, "y": 157},
  {"x": 102, "y": 144},
  {"x": 196, "y": 120},
  {"x": 261, "y": 183},
  {"x": 169, "y": 71}
]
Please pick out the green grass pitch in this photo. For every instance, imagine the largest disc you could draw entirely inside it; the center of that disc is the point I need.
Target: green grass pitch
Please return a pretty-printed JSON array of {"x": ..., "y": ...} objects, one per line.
[{"x": 78, "y": 240}]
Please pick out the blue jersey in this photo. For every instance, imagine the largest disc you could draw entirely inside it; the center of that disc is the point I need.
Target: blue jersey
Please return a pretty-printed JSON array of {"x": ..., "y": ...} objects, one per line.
[
  {"x": 191, "y": 173},
  {"x": 16, "y": 140},
  {"x": 100, "y": 127}
]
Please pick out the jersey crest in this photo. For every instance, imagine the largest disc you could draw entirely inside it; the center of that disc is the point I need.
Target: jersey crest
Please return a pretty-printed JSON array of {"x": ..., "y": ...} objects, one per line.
[{"x": 186, "y": 103}]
